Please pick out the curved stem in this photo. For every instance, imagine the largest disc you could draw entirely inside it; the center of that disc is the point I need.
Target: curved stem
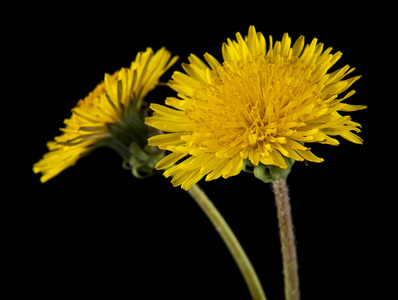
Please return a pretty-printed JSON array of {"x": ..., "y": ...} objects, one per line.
[
  {"x": 231, "y": 242},
  {"x": 286, "y": 234}
]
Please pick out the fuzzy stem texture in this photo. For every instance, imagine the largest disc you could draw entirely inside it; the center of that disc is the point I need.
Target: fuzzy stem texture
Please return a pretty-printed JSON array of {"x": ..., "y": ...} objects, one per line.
[
  {"x": 230, "y": 241},
  {"x": 286, "y": 234}
]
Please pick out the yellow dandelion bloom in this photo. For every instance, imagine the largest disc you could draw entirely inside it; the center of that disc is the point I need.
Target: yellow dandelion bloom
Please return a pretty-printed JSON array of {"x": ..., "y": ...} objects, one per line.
[
  {"x": 108, "y": 116},
  {"x": 264, "y": 103}
]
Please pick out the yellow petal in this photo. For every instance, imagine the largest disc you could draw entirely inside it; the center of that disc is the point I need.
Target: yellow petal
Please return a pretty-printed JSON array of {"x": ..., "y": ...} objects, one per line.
[
  {"x": 170, "y": 160},
  {"x": 308, "y": 155}
]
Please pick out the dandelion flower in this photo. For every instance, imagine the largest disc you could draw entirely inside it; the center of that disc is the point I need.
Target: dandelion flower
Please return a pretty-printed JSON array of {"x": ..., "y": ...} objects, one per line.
[
  {"x": 263, "y": 104},
  {"x": 109, "y": 116}
]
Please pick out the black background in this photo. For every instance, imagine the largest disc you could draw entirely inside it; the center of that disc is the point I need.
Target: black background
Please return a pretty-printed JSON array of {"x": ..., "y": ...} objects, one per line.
[{"x": 95, "y": 231}]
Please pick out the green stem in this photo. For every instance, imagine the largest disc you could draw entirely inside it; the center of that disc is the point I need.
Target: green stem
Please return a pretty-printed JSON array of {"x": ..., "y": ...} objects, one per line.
[
  {"x": 286, "y": 234},
  {"x": 231, "y": 242}
]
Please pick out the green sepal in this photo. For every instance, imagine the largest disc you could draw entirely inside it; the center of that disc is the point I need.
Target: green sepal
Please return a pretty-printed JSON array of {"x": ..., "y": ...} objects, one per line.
[
  {"x": 268, "y": 173},
  {"x": 142, "y": 161}
]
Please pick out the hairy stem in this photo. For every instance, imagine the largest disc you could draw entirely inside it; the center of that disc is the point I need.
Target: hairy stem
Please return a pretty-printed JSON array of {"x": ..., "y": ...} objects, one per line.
[{"x": 286, "y": 234}]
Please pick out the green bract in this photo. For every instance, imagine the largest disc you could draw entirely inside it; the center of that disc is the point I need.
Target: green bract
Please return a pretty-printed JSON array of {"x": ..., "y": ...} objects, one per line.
[{"x": 268, "y": 173}]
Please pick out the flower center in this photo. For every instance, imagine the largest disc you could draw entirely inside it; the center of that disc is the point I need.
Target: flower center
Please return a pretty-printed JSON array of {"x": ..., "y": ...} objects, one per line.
[{"x": 252, "y": 104}]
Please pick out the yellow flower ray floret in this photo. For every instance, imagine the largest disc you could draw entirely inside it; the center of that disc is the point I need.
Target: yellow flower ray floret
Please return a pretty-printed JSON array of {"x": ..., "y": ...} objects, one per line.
[
  {"x": 263, "y": 103},
  {"x": 108, "y": 104}
]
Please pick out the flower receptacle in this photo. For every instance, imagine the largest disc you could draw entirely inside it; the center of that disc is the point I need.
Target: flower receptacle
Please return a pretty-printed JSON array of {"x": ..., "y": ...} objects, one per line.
[{"x": 268, "y": 173}]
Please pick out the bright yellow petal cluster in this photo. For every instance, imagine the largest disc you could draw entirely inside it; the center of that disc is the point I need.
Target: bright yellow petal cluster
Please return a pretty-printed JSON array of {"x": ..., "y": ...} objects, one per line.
[
  {"x": 263, "y": 103},
  {"x": 106, "y": 114}
]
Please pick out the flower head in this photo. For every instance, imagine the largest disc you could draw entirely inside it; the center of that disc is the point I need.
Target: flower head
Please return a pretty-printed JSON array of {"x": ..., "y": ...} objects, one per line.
[
  {"x": 110, "y": 115},
  {"x": 263, "y": 104}
]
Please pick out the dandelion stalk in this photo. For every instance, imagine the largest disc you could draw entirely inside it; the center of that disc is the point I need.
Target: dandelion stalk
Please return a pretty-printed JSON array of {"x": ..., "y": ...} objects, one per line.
[
  {"x": 288, "y": 247},
  {"x": 230, "y": 240}
]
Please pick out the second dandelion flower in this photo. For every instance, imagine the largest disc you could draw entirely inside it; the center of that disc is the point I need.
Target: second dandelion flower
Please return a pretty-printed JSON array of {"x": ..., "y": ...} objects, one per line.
[{"x": 262, "y": 106}]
